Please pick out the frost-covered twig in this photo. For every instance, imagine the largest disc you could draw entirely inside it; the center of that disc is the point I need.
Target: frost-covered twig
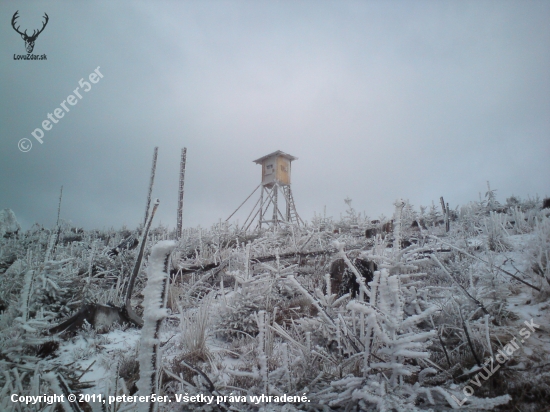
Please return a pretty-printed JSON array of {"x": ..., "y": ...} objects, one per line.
[
  {"x": 435, "y": 259},
  {"x": 59, "y": 386},
  {"x": 466, "y": 328},
  {"x": 488, "y": 263}
]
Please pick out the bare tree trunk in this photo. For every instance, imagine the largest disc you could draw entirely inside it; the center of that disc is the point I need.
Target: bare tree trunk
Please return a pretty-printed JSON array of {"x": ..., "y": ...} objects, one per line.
[
  {"x": 151, "y": 181},
  {"x": 183, "y": 160}
]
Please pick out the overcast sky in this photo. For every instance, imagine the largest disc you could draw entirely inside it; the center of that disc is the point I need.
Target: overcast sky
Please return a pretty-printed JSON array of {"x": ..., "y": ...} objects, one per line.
[{"x": 378, "y": 100}]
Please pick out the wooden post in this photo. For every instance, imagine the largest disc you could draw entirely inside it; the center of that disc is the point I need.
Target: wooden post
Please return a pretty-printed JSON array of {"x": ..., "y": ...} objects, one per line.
[
  {"x": 153, "y": 169},
  {"x": 180, "y": 192},
  {"x": 59, "y": 206},
  {"x": 447, "y": 219},
  {"x": 127, "y": 309},
  {"x": 249, "y": 196},
  {"x": 275, "y": 206},
  {"x": 58, "y": 231},
  {"x": 445, "y": 213},
  {"x": 442, "y": 205},
  {"x": 261, "y": 207},
  {"x": 288, "y": 216}
]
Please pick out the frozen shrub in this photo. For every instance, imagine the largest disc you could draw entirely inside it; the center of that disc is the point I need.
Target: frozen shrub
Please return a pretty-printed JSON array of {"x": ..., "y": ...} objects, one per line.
[
  {"x": 8, "y": 223},
  {"x": 238, "y": 315},
  {"x": 539, "y": 248},
  {"x": 194, "y": 329},
  {"x": 496, "y": 232}
]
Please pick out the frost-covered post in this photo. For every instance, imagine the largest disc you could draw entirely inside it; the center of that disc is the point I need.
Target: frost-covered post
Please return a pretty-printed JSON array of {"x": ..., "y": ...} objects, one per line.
[
  {"x": 262, "y": 358},
  {"x": 137, "y": 266},
  {"x": 447, "y": 219},
  {"x": 445, "y": 213},
  {"x": 155, "y": 294},
  {"x": 50, "y": 248},
  {"x": 151, "y": 181},
  {"x": 399, "y": 204},
  {"x": 59, "y": 207},
  {"x": 180, "y": 192}
]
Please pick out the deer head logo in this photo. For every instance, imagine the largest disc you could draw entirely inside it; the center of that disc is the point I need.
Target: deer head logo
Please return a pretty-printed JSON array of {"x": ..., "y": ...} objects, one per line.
[{"x": 29, "y": 40}]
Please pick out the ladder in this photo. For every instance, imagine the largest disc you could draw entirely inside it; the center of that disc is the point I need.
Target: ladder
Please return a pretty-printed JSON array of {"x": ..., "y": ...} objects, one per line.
[{"x": 291, "y": 213}]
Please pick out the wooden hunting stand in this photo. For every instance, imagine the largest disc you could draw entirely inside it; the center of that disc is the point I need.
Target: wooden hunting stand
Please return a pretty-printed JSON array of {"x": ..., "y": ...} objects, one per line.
[{"x": 276, "y": 168}]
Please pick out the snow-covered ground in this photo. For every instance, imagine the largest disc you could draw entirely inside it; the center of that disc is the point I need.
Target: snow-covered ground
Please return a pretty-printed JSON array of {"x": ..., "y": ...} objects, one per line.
[{"x": 441, "y": 320}]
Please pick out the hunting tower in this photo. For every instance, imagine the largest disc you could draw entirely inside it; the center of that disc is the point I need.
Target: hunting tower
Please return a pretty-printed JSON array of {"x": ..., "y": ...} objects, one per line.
[{"x": 276, "y": 168}]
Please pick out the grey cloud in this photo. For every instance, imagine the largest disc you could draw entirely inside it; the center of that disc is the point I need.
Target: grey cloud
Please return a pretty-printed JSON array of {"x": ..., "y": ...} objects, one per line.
[{"x": 378, "y": 101}]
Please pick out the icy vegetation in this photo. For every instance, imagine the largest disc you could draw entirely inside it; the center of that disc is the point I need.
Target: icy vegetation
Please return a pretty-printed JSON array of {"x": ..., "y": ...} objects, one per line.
[
  {"x": 436, "y": 309},
  {"x": 8, "y": 223}
]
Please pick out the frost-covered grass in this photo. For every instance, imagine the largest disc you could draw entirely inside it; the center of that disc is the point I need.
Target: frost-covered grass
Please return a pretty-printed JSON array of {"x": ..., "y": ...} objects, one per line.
[{"x": 247, "y": 314}]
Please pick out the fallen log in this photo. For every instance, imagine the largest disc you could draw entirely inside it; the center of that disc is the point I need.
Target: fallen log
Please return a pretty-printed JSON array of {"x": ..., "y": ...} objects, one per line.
[{"x": 259, "y": 259}]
